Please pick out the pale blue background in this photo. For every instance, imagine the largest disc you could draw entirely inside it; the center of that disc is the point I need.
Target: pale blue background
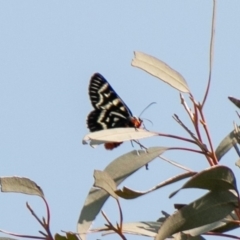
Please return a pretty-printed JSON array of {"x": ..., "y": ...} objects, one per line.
[{"x": 48, "y": 52}]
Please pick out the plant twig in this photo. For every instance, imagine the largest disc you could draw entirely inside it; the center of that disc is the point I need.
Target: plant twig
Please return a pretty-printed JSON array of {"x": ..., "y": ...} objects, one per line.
[
  {"x": 188, "y": 149},
  {"x": 213, "y": 155},
  {"x": 20, "y": 235},
  {"x": 111, "y": 227},
  {"x": 108, "y": 221},
  {"x": 196, "y": 118},
  {"x": 190, "y": 114},
  {"x": 121, "y": 215},
  {"x": 199, "y": 143},
  {"x": 47, "y": 223},
  {"x": 43, "y": 223},
  {"x": 211, "y": 52},
  {"x": 175, "y": 164},
  {"x": 44, "y": 234},
  {"x": 34, "y": 214},
  {"x": 48, "y": 211}
]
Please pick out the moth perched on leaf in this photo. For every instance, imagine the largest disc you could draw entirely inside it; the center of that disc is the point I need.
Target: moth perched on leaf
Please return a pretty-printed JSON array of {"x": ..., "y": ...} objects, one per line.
[{"x": 109, "y": 109}]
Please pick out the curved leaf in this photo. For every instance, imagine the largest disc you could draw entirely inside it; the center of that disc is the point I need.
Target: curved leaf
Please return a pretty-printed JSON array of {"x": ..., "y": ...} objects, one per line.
[
  {"x": 205, "y": 228},
  {"x": 235, "y": 101},
  {"x": 71, "y": 236},
  {"x": 59, "y": 237},
  {"x": 228, "y": 223},
  {"x": 120, "y": 169},
  {"x": 128, "y": 193},
  {"x": 116, "y": 135},
  {"x": 161, "y": 70},
  {"x": 20, "y": 185},
  {"x": 105, "y": 182},
  {"x": 217, "y": 178},
  {"x": 210, "y": 208},
  {"x": 227, "y": 143}
]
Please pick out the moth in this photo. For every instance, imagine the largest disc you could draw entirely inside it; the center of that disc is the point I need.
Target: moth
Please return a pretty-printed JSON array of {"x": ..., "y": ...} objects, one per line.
[{"x": 110, "y": 111}]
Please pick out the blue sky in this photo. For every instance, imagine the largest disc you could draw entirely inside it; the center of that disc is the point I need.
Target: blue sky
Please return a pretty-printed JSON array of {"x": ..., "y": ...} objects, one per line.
[{"x": 48, "y": 52}]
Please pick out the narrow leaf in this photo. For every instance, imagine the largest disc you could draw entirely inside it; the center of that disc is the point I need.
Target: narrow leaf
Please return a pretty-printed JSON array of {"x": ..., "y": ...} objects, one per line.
[
  {"x": 227, "y": 143},
  {"x": 205, "y": 228},
  {"x": 217, "y": 178},
  {"x": 119, "y": 169},
  {"x": 105, "y": 182},
  {"x": 20, "y": 185},
  {"x": 212, "y": 207},
  {"x": 235, "y": 101},
  {"x": 228, "y": 223},
  {"x": 116, "y": 135},
  {"x": 161, "y": 70},
  {"x": 128, "y": 193},
  {"x": 221, "y": 226}
]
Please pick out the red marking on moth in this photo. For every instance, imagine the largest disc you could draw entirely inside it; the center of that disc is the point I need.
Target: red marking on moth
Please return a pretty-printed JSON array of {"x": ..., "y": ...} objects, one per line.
[
  {"x": 112, "y": 145},
  {"x": 137, "y": 122}
]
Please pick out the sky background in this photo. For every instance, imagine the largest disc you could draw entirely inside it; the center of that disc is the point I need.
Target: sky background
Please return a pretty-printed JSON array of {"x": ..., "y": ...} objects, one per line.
[{"x": 48, "y": 52}]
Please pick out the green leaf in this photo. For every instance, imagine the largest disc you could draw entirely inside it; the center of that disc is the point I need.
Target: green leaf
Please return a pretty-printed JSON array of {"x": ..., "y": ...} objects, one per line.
[
  {"x": 228, "y": 223},
  {"x": 20, "y": 185},
  {"x": 217, "y": 178},
  {"x": 235, "y": 101},
  {"x": 120, "y": 169},
  {"x": 161, "y": 70},
  {"x": 128, "y": 193},
  {"x": 59, "y": 237},
  {"x": 205, "y": 228},
  {"x": 210, "y": 208},
  {"x": 227, "y": 143},
  {"x": 105, "y": 182},
  {"x": 71, "y": 236}
]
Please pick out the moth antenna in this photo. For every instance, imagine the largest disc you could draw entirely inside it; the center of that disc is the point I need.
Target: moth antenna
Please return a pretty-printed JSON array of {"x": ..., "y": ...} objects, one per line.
[
  {"x": 148, "y": 120},
  {"x": 147, "y": 108}
]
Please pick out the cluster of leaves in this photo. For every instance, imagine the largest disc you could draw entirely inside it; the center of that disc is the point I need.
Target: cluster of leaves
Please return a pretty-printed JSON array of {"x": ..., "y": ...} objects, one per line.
[{"x": 214, "y": 213}]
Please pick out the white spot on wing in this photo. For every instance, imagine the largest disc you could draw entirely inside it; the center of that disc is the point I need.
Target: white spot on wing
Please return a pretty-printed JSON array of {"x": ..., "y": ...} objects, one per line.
[
  {"x": 107, "y": 95},
  {"x": 116, "y": 101},
  {"x": 122, "y": 109}
]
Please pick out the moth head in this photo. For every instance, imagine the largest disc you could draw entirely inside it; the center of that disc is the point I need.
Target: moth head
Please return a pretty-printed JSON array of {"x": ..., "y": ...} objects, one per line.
[{"x": 136, "y": 122}]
